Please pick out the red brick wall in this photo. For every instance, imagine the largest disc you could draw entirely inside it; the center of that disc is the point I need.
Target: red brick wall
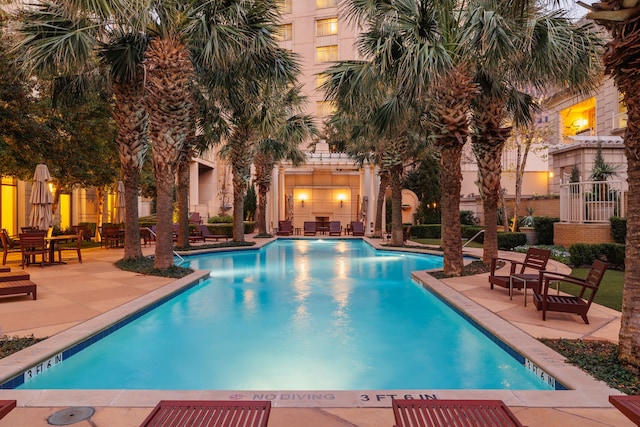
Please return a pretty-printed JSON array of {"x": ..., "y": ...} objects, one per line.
[{"x": 566, "y": 234}]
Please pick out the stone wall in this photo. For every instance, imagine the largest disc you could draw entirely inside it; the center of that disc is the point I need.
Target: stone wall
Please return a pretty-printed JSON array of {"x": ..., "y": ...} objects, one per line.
[{"x": 567, "y": 233}]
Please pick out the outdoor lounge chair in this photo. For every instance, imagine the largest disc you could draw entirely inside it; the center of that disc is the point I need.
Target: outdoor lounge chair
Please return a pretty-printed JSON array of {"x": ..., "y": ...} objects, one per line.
[
  {"x": 568, "y": 303},
  {"x": 234, "y": 413},
  {"x": 526, "y": 271},
  {"x": 335, "y": 229},
  {"x": 6, "y": 406},
  {"x": 285, "y": 228},
  {"x": 206, "y": 234},
  {"x": 357, "y": 228},
  {"x": 310, "y": 228},
  {"x": 628, "y": 405},
  {"x": 195, "y": 218},
  {"x": 8, "y": 245},
  {"x": 445, "y": 413}
]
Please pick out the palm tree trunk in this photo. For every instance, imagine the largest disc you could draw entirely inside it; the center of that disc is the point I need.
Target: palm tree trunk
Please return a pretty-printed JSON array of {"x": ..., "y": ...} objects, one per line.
[
  {"x": 164, "y": 216},
  {"x": 451, "y": 183},
  {"x": 382, "y": 189},
  {"x": 239, "y": 194},
  {"x": 132, "y": 121},
  {"x": 621, "y": 61},
  {"x": 183, "y": 200},
  {"x": 397, "y": 235}
]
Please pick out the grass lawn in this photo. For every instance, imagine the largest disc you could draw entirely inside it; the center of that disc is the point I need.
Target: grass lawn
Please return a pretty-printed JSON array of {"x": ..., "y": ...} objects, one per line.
[{"x": 610, "y": 291}]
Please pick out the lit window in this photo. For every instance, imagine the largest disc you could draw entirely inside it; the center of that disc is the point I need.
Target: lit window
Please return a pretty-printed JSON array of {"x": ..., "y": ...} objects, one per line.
[
  {"x": 284, "y": 32},
  {"x": 321, "y": 4},
  {"x": 321, "y": 79},
  {"x": 284, "y": 6},
  {"x": 327, "y": 27},
  {"x": 327, "y": 53},
  {"x": 620, "y": 119},
  {"x": 325, "y": 108},
  {"x": 579, "y": 119}
]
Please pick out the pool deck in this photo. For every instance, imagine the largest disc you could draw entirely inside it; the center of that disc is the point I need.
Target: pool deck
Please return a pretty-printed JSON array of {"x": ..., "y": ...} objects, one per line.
[{"x": 76, "y": 298}]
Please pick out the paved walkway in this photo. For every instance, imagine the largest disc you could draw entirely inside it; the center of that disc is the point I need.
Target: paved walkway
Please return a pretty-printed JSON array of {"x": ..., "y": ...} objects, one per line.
[{"x": 75, "y": 295}]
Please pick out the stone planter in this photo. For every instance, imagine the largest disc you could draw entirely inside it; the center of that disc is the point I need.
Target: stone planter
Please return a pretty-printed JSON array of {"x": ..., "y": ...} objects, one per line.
[{"x": 531, "y": 233}]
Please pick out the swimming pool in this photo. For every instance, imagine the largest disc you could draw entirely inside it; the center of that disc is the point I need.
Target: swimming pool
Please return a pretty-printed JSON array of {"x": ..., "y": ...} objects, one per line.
[{"x": 297, "y": 315}]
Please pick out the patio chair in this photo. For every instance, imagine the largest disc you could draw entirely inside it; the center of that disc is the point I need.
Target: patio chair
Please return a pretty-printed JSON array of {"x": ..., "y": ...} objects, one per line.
[
  {"x": 206, "y": 234},
  {"x": 445, "y": 413},
  {"x": 310, "y": 228},
  {"x": 568, "y": 303},
  {"x": 9, "y": 245},
  {"x": 526, "y": 271},
  {"x": 32, "y": 245},
  {"x": 285, "y": 228},
  {"x": 112, "y": 236},
  {"x": 335, "y": 229},
  {"x": 77, "y": 247},
  {"x": 234, "y": 413},
  {"x": 357, "y": 228},
  {"x": 6, "y": 406}
]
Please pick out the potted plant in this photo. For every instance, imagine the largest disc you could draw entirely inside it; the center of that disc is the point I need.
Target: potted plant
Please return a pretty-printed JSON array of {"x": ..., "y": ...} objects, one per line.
[{"x": 527, "y": 227}]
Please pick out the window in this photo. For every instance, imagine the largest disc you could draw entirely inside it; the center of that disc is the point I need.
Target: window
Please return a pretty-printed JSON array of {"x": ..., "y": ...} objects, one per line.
[
  {"x": 321, "y": 4},
  {"x": 325, "y": 108},
  {"x": 620, "y": 119},
  {"x": 320, "y": 79},
  {"x": 284, "y": 6},
  {"x": 284, "y": 32},
  {"x": 327, "y": 53},
  {"x": 579, "y": 119},
  {"x": 327, "y": 27}
]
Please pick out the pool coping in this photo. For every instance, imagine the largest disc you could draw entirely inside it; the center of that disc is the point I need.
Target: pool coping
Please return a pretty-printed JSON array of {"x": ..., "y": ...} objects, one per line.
[{"x": 584, "y": 391}]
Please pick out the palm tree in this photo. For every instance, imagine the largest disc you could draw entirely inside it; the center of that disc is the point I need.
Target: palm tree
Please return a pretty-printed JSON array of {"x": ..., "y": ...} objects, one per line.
[
  {"x": 286, "y": 130},
  {"x": 620, "y": 61},
  {"x": 67, "y": 42},
  {"x": 530, "y": 48}
]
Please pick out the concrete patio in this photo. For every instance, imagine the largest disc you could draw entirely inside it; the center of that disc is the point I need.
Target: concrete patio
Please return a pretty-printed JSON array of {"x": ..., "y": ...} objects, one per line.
[{"x": 76, "y": 294}]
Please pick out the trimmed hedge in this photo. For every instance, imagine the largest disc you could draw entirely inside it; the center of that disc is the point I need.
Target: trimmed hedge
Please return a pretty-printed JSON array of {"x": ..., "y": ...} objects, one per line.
[
  {"x": 618, "y": 229},
  {"x": 426, "y": 231},
  {"x": 508, "y": 241},
  {"x": 583, "y": 254}
]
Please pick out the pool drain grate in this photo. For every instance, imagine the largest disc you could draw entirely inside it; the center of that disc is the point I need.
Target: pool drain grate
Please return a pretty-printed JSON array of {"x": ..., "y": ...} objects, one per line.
[{"x": 71, "y": 415}]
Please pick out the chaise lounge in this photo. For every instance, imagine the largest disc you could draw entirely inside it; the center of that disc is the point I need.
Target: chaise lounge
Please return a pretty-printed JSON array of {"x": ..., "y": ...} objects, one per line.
[
  {"x": 445, "y": 413},
  {"x": 285, "y": 228},
  {"x": 310, "y": 228},
  {"x": 235, "y": 413},
  {"x": 6, "y": 406},
  {"x": 357, "y": 228},
  {"x": 335, "y": 229},
  {"x": 205, "y": 234}
]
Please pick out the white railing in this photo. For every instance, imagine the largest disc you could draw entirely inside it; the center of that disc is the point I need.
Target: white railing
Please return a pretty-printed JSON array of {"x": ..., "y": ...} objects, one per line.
[{"x": 592, "y": 201}]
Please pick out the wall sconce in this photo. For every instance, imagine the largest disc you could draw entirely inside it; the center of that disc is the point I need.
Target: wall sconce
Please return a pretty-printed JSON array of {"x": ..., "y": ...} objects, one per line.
[
  {"x": 303, "y": 197},
  {"x": 550, "y": 174},
  {"x": 341, "y": 197}
]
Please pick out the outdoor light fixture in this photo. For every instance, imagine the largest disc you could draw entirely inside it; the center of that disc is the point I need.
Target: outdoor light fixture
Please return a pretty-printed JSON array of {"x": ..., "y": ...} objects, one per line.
[
  {"x": 302, "y": 197},
  {"x": 341, "y": 197}
]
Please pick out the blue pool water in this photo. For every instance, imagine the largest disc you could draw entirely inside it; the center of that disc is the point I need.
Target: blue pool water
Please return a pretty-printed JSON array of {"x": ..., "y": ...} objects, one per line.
[{"x": 297, "y": 315}]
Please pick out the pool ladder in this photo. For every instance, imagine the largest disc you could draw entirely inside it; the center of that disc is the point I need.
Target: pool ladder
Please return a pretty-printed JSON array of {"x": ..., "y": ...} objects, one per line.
[
  {"x": 174, "y": 252},
  {"x": 471, "y": 239}
]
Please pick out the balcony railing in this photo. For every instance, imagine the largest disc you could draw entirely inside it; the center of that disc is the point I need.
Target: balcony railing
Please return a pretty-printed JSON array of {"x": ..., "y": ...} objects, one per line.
[{"x": 591, "y": 201}]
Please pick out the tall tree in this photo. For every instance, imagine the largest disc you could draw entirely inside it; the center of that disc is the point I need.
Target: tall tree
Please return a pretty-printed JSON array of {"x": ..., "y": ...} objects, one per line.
[
  {"x": 514, "y": 49},
  {"x": 621, "y": 62}
]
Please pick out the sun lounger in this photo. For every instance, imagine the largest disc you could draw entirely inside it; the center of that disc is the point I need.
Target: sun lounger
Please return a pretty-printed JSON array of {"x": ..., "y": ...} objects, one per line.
[
  {"x": 628, "y": 405},
  {"x": 206, "y": 234},
  {"x": 235, "y": 413},
  {"x": 357, "y": 228},
  {"x": 12, "y": 276},
  {"x": 6, "y": 406},
  {"x": 335, "y": 229},
  {"x": 285, "y": 228},
  {"x": 310, "y": 228},
  {"x": 18, "y": 287},
  {"x": 445, "y": 413}
]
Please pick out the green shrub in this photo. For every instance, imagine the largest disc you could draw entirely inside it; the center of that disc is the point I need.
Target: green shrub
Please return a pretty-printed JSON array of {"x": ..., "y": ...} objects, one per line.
[
  {"x": 220, "y": 219},
  {"x": 614, "y": 254},
  {"x": 618, "y": 229},
  {"x": 426, "y": 231},
  {"x": 468, "y": 218},
  {"x": 582, "y": 254},
  {"x": 544, "y": 229},
  {"x": 508, "y": 241}
]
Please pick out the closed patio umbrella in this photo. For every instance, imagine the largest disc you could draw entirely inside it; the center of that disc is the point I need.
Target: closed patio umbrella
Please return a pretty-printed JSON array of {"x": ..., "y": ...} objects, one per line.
[
  {"x": 41, "y": 199},
  {"x": 119, "y": 205}
]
